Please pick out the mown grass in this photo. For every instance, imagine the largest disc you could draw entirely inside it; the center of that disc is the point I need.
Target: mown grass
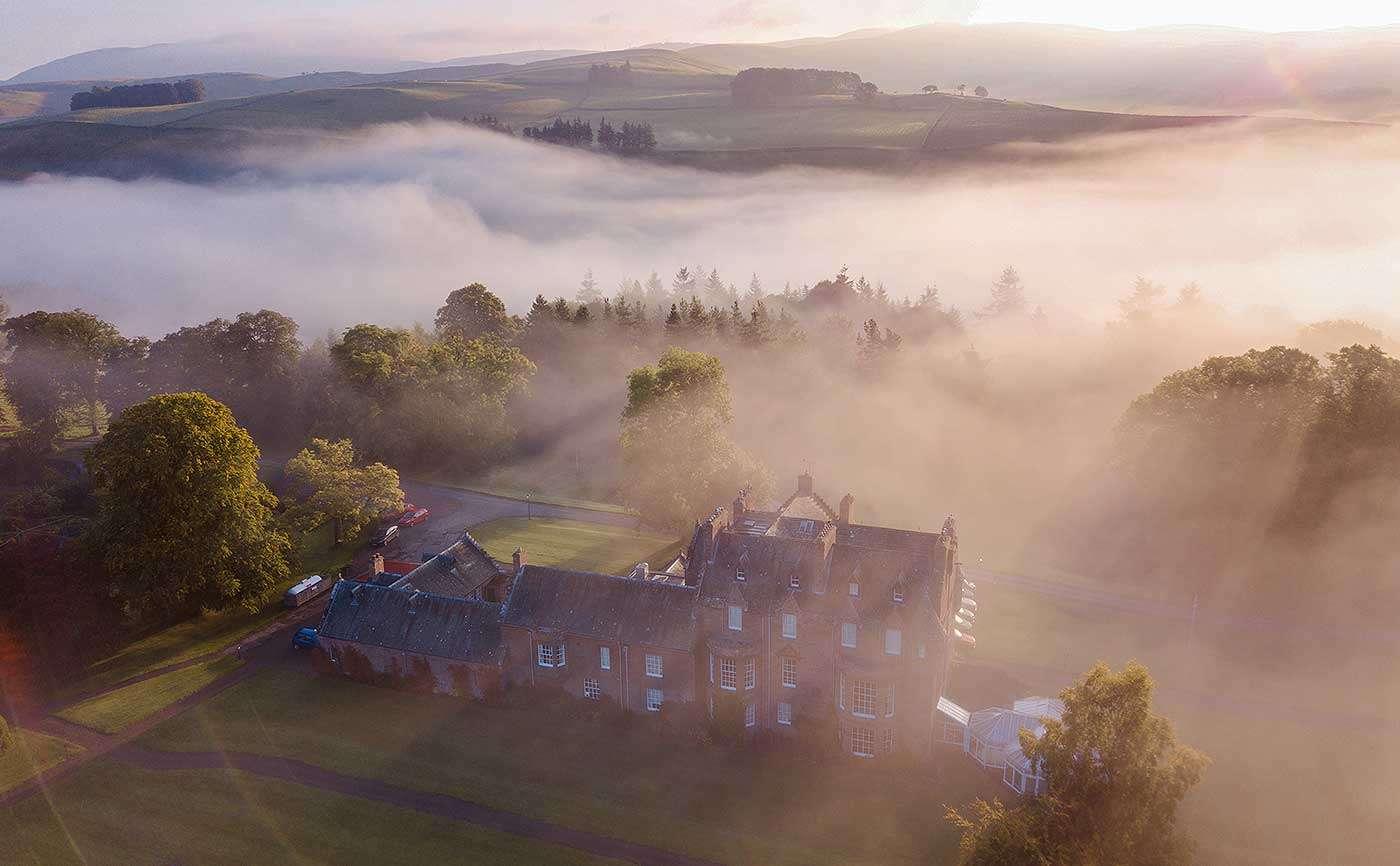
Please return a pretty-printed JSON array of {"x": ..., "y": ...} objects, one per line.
[
  {"x": 114, "y": 813},
  {"x": 635, "y": 779},
  {"x": 112, "y": 712},
  {"x": 32, "y": 754},
  {"x": 523, "y": 495},
  {"x": 208, "y": 633},
  {"x": 571, "y": 544}
]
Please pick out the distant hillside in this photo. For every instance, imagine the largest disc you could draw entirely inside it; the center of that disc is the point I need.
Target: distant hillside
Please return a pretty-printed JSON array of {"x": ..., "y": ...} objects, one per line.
[{"x": 1352, "y": 73}]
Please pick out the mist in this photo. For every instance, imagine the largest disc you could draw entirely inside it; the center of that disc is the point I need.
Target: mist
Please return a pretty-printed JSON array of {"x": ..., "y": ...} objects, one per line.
[{"x": 381, "y": 227}]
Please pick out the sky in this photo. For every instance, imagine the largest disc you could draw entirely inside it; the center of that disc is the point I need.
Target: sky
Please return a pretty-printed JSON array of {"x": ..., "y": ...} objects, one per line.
[{"x": 36, "y": 31}]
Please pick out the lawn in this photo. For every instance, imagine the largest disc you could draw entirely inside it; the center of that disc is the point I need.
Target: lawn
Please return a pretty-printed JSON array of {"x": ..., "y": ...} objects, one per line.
[
  {"x": 208, "y": 633},
  {"x": 115, "y": 710},
  {"x": 571, "y": 544},
  {"x": 32, "y": 754},
  {"x": 639, "y": 781},
  {"x": 114, "y": 813},
  {"x": 1299, "y": 758}
]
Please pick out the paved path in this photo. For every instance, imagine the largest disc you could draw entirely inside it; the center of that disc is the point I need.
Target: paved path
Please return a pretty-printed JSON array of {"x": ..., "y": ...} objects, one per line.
[{"x": 440, "y": 805}]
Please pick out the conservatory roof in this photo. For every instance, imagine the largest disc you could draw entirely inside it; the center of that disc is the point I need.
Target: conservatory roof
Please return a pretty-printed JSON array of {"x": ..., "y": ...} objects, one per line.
[{"x": 953, "y": 711}]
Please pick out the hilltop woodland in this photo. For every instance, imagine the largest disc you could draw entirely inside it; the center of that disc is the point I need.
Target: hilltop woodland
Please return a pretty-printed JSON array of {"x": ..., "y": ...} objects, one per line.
[
  {"x": 139, "y": 95},
  {"x": 669, "y": 395}
]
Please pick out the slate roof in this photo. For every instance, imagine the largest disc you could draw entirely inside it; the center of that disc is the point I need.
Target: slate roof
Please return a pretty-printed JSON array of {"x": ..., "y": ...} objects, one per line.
[
  {"x": 412, "y": 621},
  {"x": 458, "y": 571},
  {"x": 603, "y": 607},
  {"x": 769, "y": 563}
]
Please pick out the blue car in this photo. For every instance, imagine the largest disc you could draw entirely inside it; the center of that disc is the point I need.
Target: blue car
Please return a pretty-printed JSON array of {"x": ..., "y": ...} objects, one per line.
[{"x": 305, "y": 638}]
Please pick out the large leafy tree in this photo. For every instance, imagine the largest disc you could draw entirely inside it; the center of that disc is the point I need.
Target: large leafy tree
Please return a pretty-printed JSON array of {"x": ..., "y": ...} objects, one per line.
[
  {"x": 249, "y": 364},
  {"x": 1116, "y": 776},
  {"x": 473, "y": 311},
  {"x": 678, "y": 457},
  {"x": 183, "y": 522},
  {"x": 331, "y": 485},
  {"x": 58, "y": 362}
]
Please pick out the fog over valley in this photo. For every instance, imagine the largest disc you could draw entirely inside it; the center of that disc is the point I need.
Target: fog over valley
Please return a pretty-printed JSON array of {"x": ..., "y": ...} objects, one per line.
[{"x": 381, "y": 227}]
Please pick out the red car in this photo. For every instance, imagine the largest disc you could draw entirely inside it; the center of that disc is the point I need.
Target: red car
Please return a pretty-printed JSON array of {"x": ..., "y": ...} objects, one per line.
[{"x": 414, "y": 516}]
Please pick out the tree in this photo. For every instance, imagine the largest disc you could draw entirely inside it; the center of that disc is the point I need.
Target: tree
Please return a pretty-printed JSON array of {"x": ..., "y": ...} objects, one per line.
[
  {"x": 962, "y": 90},
  {"x": 472, "y": 312},
  {"x": 7, "y": 737},
  {"x": 875, "y": 349},
  {"x": 183, "y": 523},
  {"x": 59, "y": 361},
  {"x": 1115, "y": 774},
  {"x": 1140, "y": 304},
  {"x": 332, "y": 487},
  {"x": 980, "y": 91},
  {"x": 930, "y": 88},
  {"x": 1008, "y": 296},
  {"x": 678, "y": 459},
  {"x": 588, "y": 289}
]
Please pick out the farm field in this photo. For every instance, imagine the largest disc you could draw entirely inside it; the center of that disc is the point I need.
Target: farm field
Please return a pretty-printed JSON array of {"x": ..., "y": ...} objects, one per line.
[
  {"x": 571, "y": 544},
  {"x": 638, "y": 779},
  {"x": 115, "y": 813},
  {"x": 33, "y": 753}
]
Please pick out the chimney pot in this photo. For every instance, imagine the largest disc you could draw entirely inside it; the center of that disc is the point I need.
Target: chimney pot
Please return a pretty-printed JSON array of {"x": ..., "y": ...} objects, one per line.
[
  {"x": 518, "y": 558},
  {"x": 377, "y": 564}
]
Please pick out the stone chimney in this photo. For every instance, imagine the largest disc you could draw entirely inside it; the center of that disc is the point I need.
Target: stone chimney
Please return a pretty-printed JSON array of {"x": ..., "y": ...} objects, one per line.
[
  {"x": 518, "y": 559},
  {"x": 739, "y": 506},
  {"x": 376, "y": 565},
  {"x": 804, "y": 484},
  {"x": 847, "y": 502}
]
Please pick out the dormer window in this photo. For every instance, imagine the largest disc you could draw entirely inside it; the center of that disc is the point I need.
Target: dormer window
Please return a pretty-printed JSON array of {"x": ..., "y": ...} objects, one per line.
[
  {"x": 739, "y": 575},
  {"x": 795, "y": 582},
  {"x": 899, "y": 595},
  {"x": 854, "y": 589}
]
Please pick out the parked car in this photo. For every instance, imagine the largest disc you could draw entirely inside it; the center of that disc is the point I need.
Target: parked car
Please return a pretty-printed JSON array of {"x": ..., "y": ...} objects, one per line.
[
  {"x": 388, "y": 536},
  {"x": 414, "y": 516},
  {"x": 305, "y": 638},
  {"x": 304, "y": 591}
]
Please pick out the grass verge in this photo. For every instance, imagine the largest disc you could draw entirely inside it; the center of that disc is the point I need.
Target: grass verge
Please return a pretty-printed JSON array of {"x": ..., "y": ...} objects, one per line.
[
  {"x": 633, "y": 779},
  {"x": 208, "y": 633},
  {"x": 571, "y": 544},
  {"x": 113, "y": 711},
  {"x": 32, "y": 754},
  {"x": 530, "y": 495},
  {"x": 111, "y": 812}
]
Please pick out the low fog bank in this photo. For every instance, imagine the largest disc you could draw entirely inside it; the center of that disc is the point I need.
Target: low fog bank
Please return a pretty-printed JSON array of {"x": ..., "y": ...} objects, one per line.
[{"x": 381, "y": 228}]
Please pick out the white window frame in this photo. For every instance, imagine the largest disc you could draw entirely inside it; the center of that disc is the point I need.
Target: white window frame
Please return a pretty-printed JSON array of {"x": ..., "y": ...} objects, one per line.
[
  {"x": 849, "y": 634},
  {"x": 795, "y": 582},
  {"x": 887, "y": 741},
  {"x": 750, "y": 716},
  {"x": 736, "y": 618},
  {"x": 894, "y": 642},
  {"x": 750, "y": 673},
  {"x": 605, "y": 658},
  {"x": 862, "y": 738},
  {"x": 789, "y": 625},
  {"x": 865, "y": 695},
  {"x": 789, "y": 672},
  {"x": 784, "y": 713},
  {"x": 889, "y": 702},
  {"x": 853, "y": 589},
  {"x": 592, "y": 689},
  {"x": 898, "y": 595},
  {"x": 712, "y": 667},
  {"x": 728, "y": 674},
  {"x": 656, "y": 666},
  {"x": 655, "y": 699},
  {"x": 551, "y": 655},
  {"x": 739, "y": 576}
]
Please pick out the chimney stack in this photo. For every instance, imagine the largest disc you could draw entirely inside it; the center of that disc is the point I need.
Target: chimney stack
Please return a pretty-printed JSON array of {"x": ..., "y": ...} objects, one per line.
[
  {"x": 641, "y": 570},
  {"x": 377, "y": 564},
  {"x": 739, "y": 507},
  {"x": 846, "y": 502},
  {"x": 518, "y": 559},
  {"x": 804, "y": 484}
]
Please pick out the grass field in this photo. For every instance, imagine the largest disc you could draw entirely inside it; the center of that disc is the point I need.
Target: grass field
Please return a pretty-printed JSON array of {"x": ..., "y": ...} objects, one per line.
[
  {"x": 32, "y": 754},
  {"x": 571, "y": 544},
  {"x": 642, "y": 782},
  {"x": 211, "y": 632},
  {"x": 1298, "y": 765},
  {"x": 113, "y": 813},
  {"x": 113, "y": 711}
]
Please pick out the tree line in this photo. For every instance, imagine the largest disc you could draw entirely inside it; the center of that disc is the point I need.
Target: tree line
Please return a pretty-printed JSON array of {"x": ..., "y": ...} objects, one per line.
[{"x": 139, "y": 95}]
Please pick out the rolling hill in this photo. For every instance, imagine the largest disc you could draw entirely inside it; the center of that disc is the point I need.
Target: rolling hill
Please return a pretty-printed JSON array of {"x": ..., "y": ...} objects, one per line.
[{"x": 683, "y": 96}]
